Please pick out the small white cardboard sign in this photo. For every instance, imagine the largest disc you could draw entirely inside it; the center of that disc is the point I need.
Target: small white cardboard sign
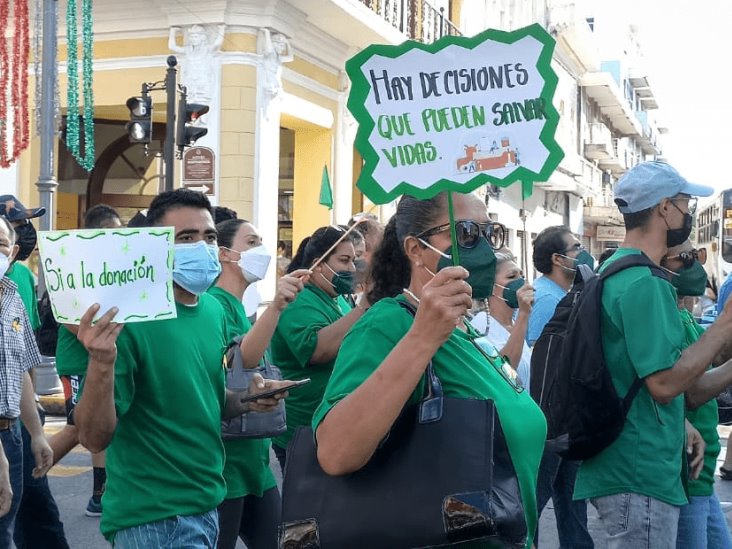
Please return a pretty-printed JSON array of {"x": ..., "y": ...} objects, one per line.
[{"x": 131, "y": 269}]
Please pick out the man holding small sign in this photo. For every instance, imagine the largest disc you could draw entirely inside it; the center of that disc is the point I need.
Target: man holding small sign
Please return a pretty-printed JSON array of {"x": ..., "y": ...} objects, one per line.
[{"x": 154, "y": 396}]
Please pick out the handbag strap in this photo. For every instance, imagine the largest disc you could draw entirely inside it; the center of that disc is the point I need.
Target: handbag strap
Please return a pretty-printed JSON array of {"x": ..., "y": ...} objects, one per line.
[{"x": 431, "y": 404}]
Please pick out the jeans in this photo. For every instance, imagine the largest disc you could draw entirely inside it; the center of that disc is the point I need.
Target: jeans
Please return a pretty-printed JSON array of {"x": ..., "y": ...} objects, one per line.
[
  {"x": 13, "y": 447},
  {"x": 254, "y": 520},
  {"x": 37, "y": 523},
  {"x": 556, "y": 481},
  {"x": 702, "y": 525},
  {"x": 637, "y": 521},
  {"x": 191, "y": 532}
]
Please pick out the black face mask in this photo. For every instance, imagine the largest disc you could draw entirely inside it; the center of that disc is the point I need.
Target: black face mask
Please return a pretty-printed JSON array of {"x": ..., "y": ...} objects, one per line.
[
  {"x": 26, "y": 239},
  {"x": 675, "y": 237}
]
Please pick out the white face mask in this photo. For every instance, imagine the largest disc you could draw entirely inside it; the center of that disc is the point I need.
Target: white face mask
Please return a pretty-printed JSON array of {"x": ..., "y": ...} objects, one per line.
[
  {"x": 254, "y": 263},
  {"x": 4, "y": 264}
]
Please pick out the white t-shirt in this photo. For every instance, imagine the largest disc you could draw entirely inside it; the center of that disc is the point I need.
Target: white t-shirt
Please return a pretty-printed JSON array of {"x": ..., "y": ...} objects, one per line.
[{"x": 498, "y": 336}]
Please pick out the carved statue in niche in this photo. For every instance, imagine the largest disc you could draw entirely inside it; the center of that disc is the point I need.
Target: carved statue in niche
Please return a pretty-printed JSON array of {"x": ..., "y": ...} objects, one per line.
[
  {"x": 274, "y": 50},
  {"x": 199, "y": 50}
]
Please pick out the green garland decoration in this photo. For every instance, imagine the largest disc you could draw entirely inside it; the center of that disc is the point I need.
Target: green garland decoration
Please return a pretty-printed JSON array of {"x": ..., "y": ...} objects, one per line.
[{"x": 73, "y": 136}]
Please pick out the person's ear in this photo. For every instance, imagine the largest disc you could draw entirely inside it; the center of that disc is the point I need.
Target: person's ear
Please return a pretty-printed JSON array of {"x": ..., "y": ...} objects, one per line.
[{"x": 414, "y": 249}]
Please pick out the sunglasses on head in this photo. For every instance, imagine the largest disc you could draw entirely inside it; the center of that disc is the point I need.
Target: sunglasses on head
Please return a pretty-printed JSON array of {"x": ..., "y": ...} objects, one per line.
[
  {"x": 469, "y": 232},
  {"x": 688, "y": 258}
]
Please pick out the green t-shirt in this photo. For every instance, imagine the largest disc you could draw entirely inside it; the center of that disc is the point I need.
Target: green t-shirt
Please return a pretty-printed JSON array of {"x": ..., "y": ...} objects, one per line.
[
  {"x": 293, "y": 343},
  {"x": 26, "y": 282},
  {"x": 246, "y": 469},
  {"x": 464, "y": 373},
  {"x": 166, "y": 457},
  {"x": 71, "y": 356},
  {"x": 641, "y": 334},
  {"x": 705, "y": 419}
]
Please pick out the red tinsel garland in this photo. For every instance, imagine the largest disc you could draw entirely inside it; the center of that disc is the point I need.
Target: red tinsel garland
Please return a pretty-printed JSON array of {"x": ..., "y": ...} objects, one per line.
[
  {"x": 4, "y": 83},
  {"x": 14, "y": 75}
]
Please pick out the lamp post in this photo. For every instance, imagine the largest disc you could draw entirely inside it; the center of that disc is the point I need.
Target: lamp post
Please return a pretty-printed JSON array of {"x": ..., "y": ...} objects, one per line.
[{"x": 46, "y": 180}]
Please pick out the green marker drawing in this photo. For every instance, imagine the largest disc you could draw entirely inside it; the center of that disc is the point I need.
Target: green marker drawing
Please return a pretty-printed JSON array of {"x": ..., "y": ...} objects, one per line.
[{"x": 125, "y": 247}]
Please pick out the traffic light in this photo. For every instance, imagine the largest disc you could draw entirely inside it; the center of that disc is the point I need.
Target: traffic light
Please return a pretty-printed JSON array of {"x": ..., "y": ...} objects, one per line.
[
  {"x": 139, "y": 128},
  {"x": 187, "y": 132}
]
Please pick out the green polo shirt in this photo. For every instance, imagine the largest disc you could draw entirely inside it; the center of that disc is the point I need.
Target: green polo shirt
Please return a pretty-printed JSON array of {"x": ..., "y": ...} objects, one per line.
[
  {"x": 464, "y": 372},
  {"x": 294, "y": 343},
  {"x": 26, "y": 283},
  {"x": 246, "y": 469},
  {"x": 166, "y": 457},
  {"x": 705, "y": 419},
  {"x": 642, "y": 334}
]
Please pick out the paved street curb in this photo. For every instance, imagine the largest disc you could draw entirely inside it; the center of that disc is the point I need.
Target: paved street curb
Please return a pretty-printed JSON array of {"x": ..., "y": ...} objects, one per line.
[{"x": 54, "y": 405}]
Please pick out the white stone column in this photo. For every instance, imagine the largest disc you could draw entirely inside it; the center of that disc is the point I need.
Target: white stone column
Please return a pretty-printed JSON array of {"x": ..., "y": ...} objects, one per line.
[
  {"x": 345, "y": 135},
  {"x": 273, "y": 51}
]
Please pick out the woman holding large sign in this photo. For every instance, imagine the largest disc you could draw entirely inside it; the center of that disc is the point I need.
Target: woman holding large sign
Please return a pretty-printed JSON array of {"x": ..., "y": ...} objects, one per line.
[{"x": 382, "y": 361}]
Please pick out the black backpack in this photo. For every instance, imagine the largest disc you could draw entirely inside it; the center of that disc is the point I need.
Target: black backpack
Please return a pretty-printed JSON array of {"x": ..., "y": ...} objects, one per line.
[
  {"x": 569, "y": 378},
  {"x": 47, "y": 333}
]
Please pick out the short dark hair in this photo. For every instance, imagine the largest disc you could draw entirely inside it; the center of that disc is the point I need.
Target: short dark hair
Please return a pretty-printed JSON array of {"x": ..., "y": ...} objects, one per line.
[
  {"x": 171, "y": 200},
  {"x": 550, "y": 241},
  {"x": 636, "y": 220},
  {"x": 137, "y": 220},
  {"x": 604, "y": 256},
  {"x": 96, "y": 216},
  {"x": 222, "y": 213}
]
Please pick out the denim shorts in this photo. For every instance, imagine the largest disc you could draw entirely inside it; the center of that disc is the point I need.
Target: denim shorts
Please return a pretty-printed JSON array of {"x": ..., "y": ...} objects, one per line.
[{"x": 192, "y": 532}]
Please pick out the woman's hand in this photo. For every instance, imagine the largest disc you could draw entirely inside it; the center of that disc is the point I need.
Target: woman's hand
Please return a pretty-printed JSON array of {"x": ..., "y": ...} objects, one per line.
[
  {"x": 444, "y": 302},
  {"x": 289, "y": 286},
  {"x": 525, "y": 296}
]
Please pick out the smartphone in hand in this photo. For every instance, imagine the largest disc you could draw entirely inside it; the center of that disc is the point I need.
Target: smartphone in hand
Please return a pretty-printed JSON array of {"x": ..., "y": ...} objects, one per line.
[{"x": 273, "y": 392}]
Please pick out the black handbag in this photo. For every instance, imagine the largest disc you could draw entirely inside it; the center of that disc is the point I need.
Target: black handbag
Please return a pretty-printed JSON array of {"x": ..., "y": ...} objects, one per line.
[
  {"x": 442, "y": 476},
  {"x": 238, "y": 378}
]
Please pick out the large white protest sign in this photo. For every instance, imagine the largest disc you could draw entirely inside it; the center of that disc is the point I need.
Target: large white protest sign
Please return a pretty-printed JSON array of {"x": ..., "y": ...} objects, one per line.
[
  {"x": 455, "y": 114},
  {"x": 131, "y": 269}
]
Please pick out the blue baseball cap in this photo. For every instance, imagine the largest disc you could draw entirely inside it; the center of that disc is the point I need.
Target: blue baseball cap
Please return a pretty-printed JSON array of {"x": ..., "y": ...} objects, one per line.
[{"x": 647, "y": 183}]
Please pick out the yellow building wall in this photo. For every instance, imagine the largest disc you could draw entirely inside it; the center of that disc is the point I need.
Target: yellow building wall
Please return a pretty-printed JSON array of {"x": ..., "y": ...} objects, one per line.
[
  {"x": 312, "y": 152},
  {"x": 238, "y": 123}
]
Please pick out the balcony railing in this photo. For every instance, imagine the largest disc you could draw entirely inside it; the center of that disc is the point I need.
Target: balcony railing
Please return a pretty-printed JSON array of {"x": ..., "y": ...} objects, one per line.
[{"x": 417, "y": 19}]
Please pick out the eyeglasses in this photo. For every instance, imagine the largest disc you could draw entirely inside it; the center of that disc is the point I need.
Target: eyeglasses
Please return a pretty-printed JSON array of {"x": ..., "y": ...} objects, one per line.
[
  {"x": 574, "y": 248},
  {"x": 688, "y": 258},
  {"x": 469, "y": 232},
  {"x": 692, "y": 200},
  {"x": 504, "y": 368}
]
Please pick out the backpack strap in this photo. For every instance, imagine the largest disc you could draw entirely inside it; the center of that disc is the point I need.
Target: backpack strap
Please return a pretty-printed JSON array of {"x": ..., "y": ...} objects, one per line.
[
  {"x": 632, "y": 392},
  {"x": 633, "y": 260}
]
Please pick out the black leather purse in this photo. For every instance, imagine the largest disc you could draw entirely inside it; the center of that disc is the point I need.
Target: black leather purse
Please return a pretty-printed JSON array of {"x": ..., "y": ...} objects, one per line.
[{"x": 442, "y": 476}]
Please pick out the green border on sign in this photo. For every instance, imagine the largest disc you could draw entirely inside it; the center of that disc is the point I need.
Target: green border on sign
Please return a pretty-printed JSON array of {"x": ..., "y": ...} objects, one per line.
[{"x": 361, "y": 89}]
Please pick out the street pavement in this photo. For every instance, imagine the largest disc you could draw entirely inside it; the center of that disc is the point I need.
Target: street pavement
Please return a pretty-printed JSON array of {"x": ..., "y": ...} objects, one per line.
[{"x": 71, "y": 483}]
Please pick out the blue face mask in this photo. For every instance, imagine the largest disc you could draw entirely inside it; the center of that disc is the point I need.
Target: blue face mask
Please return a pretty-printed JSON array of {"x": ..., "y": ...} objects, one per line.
[{"x": 196, "y": 266}]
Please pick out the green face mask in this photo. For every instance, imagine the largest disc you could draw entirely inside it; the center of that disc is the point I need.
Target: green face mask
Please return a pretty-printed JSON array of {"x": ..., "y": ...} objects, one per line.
[
  {"x": 583, "y": 258},
  {"x": 509, "y": 292},
  {"x": 479, "y": 261},
  {"x": 342, "y": 281},
  {"x": 691, "y": 281}
]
